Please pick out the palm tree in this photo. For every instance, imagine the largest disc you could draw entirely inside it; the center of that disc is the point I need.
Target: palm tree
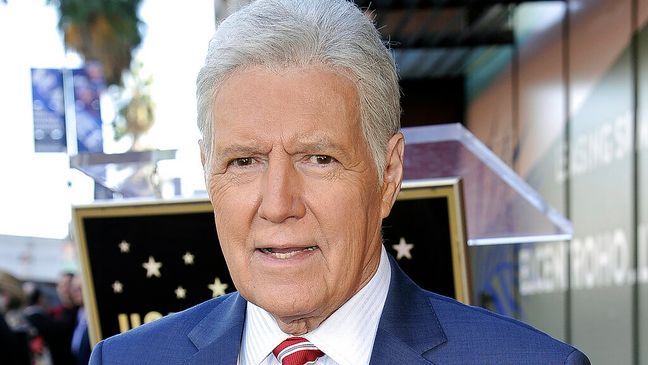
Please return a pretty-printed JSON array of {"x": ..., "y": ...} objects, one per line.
[
  {"x": 106, "y": 31},
  {"x": 135, "y": 115}
]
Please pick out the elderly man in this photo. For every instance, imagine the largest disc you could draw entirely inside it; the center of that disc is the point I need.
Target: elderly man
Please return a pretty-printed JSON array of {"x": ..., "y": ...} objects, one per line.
[{"x": 298, "y": 106}]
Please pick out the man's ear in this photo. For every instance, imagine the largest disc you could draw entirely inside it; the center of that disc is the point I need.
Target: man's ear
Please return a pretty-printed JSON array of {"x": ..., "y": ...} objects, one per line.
[
  {"x": 203, "y": 159},
  {"x": 393, "y": 174}
]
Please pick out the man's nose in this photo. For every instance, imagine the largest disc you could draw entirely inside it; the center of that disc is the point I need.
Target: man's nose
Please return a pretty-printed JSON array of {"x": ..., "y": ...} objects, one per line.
[{"x": 281, "y": 195}]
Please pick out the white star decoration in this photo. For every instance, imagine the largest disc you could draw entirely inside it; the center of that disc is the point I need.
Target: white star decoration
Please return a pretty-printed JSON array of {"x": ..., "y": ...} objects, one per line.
[
  {"x": 180, "y": 292},
  {"x": 188, "y": 258},
  {"x": 117, "y": 287},
  {"x": 152, "y": 267},
  {"x": 217, "y": 288},
  {"x": 403, "y": 249},
  {"x": 124, "y": 246}
]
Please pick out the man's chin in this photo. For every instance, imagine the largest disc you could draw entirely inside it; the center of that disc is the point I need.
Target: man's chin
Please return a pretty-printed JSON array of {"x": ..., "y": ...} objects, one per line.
[
  {"x": 289, "y": 309},
  {"x": 296, "y": 323}
]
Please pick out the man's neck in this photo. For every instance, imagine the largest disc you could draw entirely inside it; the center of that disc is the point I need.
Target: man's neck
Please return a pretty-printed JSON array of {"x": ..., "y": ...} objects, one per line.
[{"x": 353, "y": 324}]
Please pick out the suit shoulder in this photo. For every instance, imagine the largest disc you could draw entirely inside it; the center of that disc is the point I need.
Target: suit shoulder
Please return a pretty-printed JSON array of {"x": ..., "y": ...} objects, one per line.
[
  {"x": 181, "y": 322},
  {"x": 159, "y": 336},
  {"x": 499, "y": 336},
  {"x": 444, "y": 305}
]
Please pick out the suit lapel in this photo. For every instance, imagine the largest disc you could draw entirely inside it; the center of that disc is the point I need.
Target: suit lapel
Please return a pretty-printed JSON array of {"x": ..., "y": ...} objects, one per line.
[
  {"x": 218, "y": 335},
  {"x": 408, "y": 326}
]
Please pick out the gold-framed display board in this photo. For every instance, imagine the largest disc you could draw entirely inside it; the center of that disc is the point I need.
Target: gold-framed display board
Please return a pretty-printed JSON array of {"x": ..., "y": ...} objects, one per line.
[{"x": 143, "y": 260}]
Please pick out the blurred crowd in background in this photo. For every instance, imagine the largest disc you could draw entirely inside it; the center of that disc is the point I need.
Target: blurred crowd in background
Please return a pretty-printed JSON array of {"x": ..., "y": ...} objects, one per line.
[{"x": 43, "y": 325}]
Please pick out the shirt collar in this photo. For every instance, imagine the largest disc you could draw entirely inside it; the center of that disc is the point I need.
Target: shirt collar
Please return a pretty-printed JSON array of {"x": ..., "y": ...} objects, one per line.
[{"x": 347, "y": 336}]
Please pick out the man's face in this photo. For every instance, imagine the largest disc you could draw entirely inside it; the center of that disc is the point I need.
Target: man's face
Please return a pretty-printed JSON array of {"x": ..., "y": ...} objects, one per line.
[
  {"x": 295, "y": 191},
  {"x": 63, "y": 290},
  {"x": 76, "y": 291}
]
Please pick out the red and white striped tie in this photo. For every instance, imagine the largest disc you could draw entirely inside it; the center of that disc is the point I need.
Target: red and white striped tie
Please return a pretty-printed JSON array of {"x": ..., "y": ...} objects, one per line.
[{"x": 297, "y": 351}]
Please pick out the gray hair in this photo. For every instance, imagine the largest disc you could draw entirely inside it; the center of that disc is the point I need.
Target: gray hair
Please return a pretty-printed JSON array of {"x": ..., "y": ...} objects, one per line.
[{"x": 284, "y": 33}]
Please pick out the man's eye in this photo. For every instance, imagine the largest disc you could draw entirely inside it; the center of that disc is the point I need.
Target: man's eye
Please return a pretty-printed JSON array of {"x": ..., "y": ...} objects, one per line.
[
  {"x": 243, "y": 161},
  {"x": 321, "y": 159}
]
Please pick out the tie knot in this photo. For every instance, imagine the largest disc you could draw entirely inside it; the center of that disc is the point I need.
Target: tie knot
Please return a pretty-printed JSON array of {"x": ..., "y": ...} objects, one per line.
[{"x": 296, "y": 351}]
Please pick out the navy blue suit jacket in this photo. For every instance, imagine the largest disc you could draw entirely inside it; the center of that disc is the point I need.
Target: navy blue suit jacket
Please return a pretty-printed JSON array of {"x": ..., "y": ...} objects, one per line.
[{"x": 416, "y": 327}]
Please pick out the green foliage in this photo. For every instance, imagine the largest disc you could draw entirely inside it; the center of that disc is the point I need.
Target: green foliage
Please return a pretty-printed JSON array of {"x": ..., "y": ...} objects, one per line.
[
  {"x": 135, "y": 112},
  {"x": 120, "y": 13},
  {"x": 102, "y": 30}
]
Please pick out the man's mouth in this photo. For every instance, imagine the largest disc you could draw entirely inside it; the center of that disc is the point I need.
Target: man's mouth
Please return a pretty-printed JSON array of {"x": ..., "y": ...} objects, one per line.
[{"x": 286, "y": 253}]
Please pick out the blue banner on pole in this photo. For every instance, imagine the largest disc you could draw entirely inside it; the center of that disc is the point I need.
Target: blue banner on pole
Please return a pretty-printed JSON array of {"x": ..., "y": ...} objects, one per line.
[
  {"x": 49, "y": 110},
  {"x": 88, "y": 83}
]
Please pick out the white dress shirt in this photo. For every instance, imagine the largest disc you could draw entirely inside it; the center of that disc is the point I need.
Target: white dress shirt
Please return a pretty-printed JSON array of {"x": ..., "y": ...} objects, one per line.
[{"x": 346, "y": 337}]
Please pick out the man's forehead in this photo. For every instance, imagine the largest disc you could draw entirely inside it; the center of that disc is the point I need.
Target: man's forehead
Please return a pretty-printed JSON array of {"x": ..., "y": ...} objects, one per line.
[
  {"x": 284, "y": 70},
  {"x": 309, "y": 105}
]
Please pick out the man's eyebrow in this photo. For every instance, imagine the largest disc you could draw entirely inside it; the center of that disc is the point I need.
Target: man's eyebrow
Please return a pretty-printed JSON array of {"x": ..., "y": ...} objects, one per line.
[
  {"x": 243, "y": 150},
  {"x": 314, "y": 145},
  {"x": 318, "y": 144}
]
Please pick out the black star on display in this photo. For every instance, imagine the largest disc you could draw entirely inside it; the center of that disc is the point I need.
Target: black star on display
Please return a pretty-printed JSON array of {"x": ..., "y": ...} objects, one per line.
[
  {"x": 152, "y": 267},
  {"x": 403, "y": 249},
  {"x": 124, "y": 247}
]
